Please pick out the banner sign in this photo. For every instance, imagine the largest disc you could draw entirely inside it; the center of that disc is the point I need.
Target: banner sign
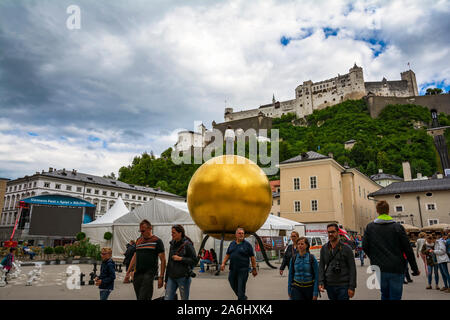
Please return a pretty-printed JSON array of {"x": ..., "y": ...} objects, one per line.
[
  {"x": 58, "y": 200},
  {"x": 273, "y": 243}
]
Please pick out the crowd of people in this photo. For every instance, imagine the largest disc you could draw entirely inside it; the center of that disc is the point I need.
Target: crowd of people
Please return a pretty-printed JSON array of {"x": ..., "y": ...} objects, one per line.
[{"x": 385, "y": 243}]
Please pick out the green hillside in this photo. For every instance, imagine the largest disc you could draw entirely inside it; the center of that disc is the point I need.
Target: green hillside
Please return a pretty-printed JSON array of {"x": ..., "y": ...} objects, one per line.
[{"x": 384, "y": 143}]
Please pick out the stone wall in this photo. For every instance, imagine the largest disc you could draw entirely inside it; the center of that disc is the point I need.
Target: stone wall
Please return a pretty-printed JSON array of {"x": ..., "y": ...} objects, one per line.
[{"x": 439, "y": 102}]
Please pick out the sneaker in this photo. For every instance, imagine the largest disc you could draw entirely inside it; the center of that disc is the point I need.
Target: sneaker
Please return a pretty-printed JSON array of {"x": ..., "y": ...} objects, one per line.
[
  {"x": 410, "y": 280},
  {"x": 437, "y": 287},
  {"x": 405, "y": 282},
  {"x": 444, "y": 289},
  {"x": 428, "y": 287},
  {"x": 202, "y": 271}
]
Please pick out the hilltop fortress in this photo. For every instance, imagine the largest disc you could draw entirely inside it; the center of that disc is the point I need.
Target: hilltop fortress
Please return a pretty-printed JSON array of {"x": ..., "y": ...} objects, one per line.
[{"x": 312, "y": 96}]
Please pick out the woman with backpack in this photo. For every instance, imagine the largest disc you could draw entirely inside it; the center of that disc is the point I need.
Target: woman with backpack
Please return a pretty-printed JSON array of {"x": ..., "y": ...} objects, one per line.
[
  {"x": 182, "y": 259},
  {"x": 303, "y": 283},
  {"x": 428, "y": 251}
]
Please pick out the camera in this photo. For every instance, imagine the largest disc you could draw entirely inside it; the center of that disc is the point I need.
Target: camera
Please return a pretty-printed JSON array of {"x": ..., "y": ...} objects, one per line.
[
  {"x": 337, "y": 268},
  {"x": 191, "y": 274}
]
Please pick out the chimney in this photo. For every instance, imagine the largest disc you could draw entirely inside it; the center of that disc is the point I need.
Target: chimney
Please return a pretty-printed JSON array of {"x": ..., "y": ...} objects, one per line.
[
  {"x": 50, "y": 169},
  {"x": 419, "y": 175},
  {"x": 406, "y": 171},
  {"x": 74, "y": 172},
  {"x": 330, "y": 154},
  {"x": 439, "y": 175},
  {"x": 380, "y": 170}
]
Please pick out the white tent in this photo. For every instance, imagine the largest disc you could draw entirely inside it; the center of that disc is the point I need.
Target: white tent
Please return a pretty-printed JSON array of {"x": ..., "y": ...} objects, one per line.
[
  {"x": 163, "y": 214},
  {"x": 96, "y": 229}
]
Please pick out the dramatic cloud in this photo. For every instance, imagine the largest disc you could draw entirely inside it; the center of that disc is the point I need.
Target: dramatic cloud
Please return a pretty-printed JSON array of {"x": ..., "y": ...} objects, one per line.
[{"x": 93, "y": 98}]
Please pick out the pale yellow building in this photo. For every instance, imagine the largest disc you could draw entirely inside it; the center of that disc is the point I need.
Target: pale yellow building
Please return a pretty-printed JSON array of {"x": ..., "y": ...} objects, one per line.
[
  {"x": 317, "y": 190},
  {"x": 275, "y": 204},
  {"x": 420, "y": 203},
  {"x": 3, "y": 182}
]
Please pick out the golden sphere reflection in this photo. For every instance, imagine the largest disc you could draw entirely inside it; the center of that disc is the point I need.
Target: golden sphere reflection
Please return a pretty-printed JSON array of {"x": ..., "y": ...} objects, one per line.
[{"x": 228, "y": 192}]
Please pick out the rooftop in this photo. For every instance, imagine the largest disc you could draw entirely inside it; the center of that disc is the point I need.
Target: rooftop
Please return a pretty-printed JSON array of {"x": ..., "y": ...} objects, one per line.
[
  {"x": 308, "y": 156},
  {"x": 415, "y": 186},
  {"x": 89, "y": 178},
  {"x": 383, "y": 176}
]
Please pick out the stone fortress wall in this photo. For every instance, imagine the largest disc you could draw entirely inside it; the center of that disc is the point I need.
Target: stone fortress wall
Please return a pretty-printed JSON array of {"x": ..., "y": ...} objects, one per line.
[{"x": 312, "y": 96}]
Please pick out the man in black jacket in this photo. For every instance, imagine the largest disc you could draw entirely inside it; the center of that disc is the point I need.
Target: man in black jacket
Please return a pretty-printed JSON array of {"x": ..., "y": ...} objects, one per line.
[
  {"x": 385, "y": 242},
  {"x": 337, "y": 268}
]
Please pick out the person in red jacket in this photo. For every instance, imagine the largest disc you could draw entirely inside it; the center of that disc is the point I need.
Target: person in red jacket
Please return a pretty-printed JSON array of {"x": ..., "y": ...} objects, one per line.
[{"x": 206, "y": 257}]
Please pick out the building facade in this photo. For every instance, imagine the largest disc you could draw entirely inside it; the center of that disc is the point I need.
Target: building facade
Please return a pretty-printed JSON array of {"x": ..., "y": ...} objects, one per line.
[
  {"x": 315, "y": 189},
  {"x": 276, "y": 204},
  {"x": 421, "y": 203},
  {"x": 311, "y": 96},
  {"x": 384, "y": 179},
  {"x": 3, "y": 182},
  {"x": 102, "y": 192}
]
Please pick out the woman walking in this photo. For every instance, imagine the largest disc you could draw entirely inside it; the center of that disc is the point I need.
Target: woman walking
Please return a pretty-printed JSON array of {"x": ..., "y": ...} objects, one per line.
[
  {"x": 428, "y": 251},
  {"x": 419, "y": 244},
  {"x": 303, "y": 273},
  {"x": 182, "y": 259}
]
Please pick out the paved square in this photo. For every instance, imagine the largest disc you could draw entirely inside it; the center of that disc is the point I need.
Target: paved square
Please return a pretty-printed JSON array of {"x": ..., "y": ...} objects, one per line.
[{"x": 268, "y": 285}]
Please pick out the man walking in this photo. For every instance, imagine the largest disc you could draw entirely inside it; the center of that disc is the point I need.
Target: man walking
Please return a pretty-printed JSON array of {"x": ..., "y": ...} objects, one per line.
[
  {"x": 239, "y": 252},
  {"x": 337, "y": 269},
  {"x": 148, "y": 248},
  {"x": 385, "y": 242}
]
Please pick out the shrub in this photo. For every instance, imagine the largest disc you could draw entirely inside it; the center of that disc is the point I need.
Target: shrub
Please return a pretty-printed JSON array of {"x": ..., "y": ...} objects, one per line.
[
  {"x": 48, "y": 251},
  {"x": 59, "y": 250},
  {"x": 81, "y": 236},
  {"x": 108, "y": 235}
]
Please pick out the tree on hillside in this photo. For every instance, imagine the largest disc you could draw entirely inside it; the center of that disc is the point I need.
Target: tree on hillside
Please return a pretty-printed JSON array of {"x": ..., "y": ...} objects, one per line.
[{"x": 431, "y": 91}]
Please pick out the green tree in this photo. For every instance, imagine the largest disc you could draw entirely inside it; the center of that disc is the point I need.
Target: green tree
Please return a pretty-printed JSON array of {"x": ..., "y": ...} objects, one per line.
[{"x": 431, "y": 91}]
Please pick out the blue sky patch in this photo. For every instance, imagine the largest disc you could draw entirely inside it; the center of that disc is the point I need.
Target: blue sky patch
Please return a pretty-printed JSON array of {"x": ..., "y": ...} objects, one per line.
[
  {"x": 330, "y": 31},
  {"x": 33, "y": 134},
  {"x": 285, "y": 41},
  {"x": 93, "y": 139},
  {"x": 440, "y": 84}
]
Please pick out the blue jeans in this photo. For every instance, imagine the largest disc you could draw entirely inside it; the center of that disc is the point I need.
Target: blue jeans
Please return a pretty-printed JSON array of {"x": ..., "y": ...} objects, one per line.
[
  {"x": 361, "y": 257},
  {"x": 430, "y": 274},
  {"x": 391, "y": 285},
  {"x": 444, "y": 272},
  {"x": 184, "y": 284},
  {"x": 238, "y": 281},
  {"x": 337, "y": 292},
  {"x": 298, "y": 293},
  {"x": 104, "y": 294},
  {"x": 202, "y": 263}
]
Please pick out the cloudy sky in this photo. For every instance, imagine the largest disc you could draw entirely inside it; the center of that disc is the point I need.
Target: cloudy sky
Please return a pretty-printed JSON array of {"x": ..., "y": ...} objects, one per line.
[{"x": 136, "y": 72}]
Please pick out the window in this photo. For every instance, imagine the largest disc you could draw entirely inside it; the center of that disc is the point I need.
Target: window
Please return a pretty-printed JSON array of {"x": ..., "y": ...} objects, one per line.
[
  {"x": 79, "y": 189},
  {"x": 319, "y": 242},
  {"x": 46, "y": 184},
  {"x": 278, "y": 190},
  {"x": 102, "y": 209},
  {"x": 68, "y": 188},
  {"x": 113, "y": 194},
  {"x": 96, "y": 191},
  {"x": 88, "y": 190},
  {"x": 433, "y": 221},
  {"x": 278, "y": 202},
  {"x": 397, "y": 196},
  {"x": 296, "y": 183},
  {"x": 133, "y": 197},
  {"x": 105, "y": 193},
  {"x": 313, "y": 242},
  {"x": 431, "y": 206},
  {"x": 360, "y": 191},
  {"x": 429, "y": 194},
  {"x": 314, "y": 205},
  {"x": 34, "y": 184},
  {"x": 313, "y": 182},
  {"x": 57, "y": 186},
  {"x": 145, "y": 198},
  {"x": 297, "y": 206},
  {"x": 340, "y": 186},
  {"x": 139, "y": 198},
  {"x": 278, "y": 213},
  {"x": 127, "y": 196},
  {"x": 399, "y": 208}
]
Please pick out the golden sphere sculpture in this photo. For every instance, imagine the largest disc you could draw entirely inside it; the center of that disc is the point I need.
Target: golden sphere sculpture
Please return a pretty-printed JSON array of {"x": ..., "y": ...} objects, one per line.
[{"x": 228, "y": 192}]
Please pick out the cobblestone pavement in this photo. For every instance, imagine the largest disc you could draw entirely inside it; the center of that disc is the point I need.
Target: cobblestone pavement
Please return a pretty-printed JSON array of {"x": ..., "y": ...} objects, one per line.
[{"x": 268, "y": 285}]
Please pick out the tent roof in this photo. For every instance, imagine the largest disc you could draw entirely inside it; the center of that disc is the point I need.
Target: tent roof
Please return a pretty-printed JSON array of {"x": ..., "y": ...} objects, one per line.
[
  {"x": 275, "y": 222},
  {"x": 163, "y": 212},
  {"x": 159, "y": 212},
  {"x": 117, "y": 210}
]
